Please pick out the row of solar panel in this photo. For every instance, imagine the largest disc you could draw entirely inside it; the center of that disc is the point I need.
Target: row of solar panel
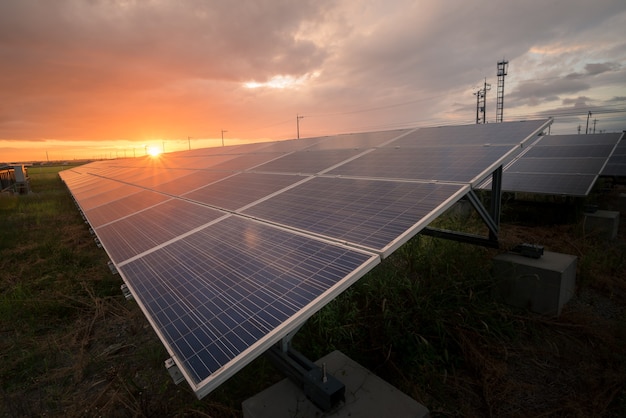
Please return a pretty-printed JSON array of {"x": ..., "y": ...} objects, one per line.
[
  {"x": 562, "y": 164},
  {"x": 227, "y": 250}
]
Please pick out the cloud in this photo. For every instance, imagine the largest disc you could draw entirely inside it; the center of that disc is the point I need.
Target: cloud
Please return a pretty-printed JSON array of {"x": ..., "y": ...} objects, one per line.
[
  {"x": 536, "y": 92},
  {"x": 134, "y": 69},
  {"x": 599, "y": 68}
]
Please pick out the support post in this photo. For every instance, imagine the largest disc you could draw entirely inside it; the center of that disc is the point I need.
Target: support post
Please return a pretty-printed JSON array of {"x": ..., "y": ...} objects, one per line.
[{"x": 323, "y": 389}]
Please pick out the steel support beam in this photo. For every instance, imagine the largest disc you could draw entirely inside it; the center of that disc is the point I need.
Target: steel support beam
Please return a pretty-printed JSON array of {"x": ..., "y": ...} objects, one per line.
[{"x": 490, "y": 217}]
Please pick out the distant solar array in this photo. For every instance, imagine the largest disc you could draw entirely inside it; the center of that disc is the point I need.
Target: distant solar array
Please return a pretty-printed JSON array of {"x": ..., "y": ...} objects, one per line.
[
  {"x": 561, "y": 164},
  {"x": 227, "y": 250}
]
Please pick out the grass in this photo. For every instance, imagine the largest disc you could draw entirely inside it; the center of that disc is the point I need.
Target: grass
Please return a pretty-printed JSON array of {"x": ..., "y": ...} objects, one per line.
[{"x": 425, "y": 321}]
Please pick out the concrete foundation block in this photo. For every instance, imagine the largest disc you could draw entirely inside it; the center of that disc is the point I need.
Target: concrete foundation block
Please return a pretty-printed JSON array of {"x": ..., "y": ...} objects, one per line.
[
  {"x": 602, "y": 224},
  {"x": 366, "y": 396},
  {"x": 542, "y": 285}
]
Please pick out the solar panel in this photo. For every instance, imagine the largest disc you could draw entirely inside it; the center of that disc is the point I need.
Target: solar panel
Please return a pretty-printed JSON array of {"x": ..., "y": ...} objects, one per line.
[
  {"x": 560, "y": 164},
  {"x": 572, "y": 151},
  {"x": 457, "y": 164},
  {"x": 141, "y": 231},
  {"x": 229, "y": 291},
  {"x": 366, "y": 213},
  {"x": 616, "y": 165},
  {"x": 565, "y": 184},
  {"x": 239, "y": 190},
  {"x": 122, "y": 207},
  {"x": 228, "y": 250},
  {"x": 510, "y": 133},
  {"x": 588, "y": 165},
  {"x": 308, "y": 162},
  {"x": 358, "y": 141}
]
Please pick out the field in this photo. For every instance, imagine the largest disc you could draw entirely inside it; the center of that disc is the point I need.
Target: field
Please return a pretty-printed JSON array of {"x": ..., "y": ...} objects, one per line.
[{"x": 425, "y": 320}]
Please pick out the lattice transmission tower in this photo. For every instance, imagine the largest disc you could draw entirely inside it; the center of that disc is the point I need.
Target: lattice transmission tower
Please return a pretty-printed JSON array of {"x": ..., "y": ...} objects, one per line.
[{"x": 503, "y": 67}]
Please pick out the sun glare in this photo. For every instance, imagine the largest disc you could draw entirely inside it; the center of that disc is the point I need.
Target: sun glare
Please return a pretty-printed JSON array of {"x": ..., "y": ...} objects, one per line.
[{"x": 154, "y": 151}]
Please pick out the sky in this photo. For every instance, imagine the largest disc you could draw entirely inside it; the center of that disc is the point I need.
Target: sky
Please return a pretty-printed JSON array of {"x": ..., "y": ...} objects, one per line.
[{"x": 112, "y": 78}]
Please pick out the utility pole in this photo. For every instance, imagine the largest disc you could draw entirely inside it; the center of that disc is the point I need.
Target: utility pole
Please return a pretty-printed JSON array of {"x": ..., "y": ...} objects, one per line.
[
  {"x": 481, "y": 100},
  {"x": 579, "y": 129},
  {"x": 163, "y": 146},
  {"x": 189, "y": 142},
  {"x": 587, "y": 128},
  {"x": 594, "y": 125},
  {"x": 298, "y": 117},
  {"x": 503, "y": 67},
  {"x": 223, "y": 136}
]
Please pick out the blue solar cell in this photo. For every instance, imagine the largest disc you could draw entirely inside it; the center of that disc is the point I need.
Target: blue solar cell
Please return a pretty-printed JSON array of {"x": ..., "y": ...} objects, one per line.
[
  {"x": 370, "y": 213},
  {"x": 238, "y": 274}
]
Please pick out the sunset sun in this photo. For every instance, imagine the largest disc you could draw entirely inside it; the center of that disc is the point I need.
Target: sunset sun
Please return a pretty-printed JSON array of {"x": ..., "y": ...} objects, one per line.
[{"x": 153, "y": 151}]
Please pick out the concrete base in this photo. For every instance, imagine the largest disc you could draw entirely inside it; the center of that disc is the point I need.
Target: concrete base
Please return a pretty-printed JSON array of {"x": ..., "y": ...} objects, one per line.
[
  {"x": 366, "y": 396},
  {"x": 542, "y": 285},
  {"x": 603, "y": 224}
]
